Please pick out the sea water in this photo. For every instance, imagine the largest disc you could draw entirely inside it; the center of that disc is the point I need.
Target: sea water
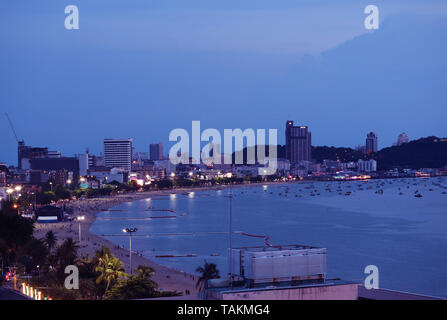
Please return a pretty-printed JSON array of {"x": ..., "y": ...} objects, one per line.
[{"x": 403, "y": 235}]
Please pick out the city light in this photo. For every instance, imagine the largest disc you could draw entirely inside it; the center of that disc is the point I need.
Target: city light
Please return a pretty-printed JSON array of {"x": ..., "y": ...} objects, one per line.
[
  {"x": 130, "y": 231},
  {"x": 9, "y": 191}
]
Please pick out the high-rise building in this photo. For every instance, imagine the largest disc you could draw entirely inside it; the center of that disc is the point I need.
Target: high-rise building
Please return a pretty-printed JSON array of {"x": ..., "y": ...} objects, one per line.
[
  {"x": 156, "y": 151},
  {"x": 298, "y": 143},
  {"x": 118, "y": 153},
  {"x": 26, "y": 153},
  {"x": 371, "y": 143},
  {"x": 401, "y": 139}
]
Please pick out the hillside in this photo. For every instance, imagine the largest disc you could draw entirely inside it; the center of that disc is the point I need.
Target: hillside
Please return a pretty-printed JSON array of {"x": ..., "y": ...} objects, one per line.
[{"x": 430, "y": 152}]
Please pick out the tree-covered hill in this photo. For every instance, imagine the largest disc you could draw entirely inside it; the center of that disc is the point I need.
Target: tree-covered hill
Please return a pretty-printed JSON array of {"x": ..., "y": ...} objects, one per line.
[{"x": 429, "y": 152}]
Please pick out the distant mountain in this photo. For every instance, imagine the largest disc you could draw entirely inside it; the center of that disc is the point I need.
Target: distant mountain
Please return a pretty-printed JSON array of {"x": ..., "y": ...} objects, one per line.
[{"x": 429, "y": 152}]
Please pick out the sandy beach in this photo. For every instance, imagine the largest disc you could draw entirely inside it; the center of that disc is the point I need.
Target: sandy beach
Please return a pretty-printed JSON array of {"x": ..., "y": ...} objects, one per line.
[{"x": 167, "y": 279}]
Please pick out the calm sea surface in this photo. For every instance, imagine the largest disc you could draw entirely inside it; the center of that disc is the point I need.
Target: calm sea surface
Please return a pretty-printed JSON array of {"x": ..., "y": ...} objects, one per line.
[{"x": 403, "y": 235}]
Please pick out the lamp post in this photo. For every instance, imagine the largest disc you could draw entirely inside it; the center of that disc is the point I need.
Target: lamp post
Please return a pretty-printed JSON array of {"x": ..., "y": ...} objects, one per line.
[
  {"x": 230, "y": 233},
  {"x": 51, "y": 185},
  {"x": 9, "y": 191},
  {"x": 130, "y": 231},
  {"x": 79, "y": 219}
]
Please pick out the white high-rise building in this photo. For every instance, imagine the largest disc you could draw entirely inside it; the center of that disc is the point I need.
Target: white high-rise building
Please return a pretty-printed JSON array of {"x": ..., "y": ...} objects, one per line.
[{"x": 118, "y": 153}]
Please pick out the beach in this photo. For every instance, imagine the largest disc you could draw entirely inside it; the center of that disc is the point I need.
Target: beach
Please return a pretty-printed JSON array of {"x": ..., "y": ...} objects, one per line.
[{"x": 166, "y": 278}]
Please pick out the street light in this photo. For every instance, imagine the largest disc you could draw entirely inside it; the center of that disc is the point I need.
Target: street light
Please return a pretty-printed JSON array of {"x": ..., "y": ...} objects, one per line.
[
  {"x": 9, "y": 191},
  {"x": 18, "y": 188},
  {"x": 230, "y": 236},
  {"x": 130, "y": 231},
  {"x": 79, "y": 219},
  {"x": 51, "y": 185}
]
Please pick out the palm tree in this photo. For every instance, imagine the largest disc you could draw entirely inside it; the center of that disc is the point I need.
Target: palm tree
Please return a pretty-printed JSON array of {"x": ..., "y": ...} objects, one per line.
[
  {"x": 50, "y": 240},
  {"x": 145, "y": 272},
  {"x": 207, "y": 272},
  {"x": 68, "y": 251},
  {"x": 110, "y": 269},
  {"x": 102, "y": 253},
  {"x": 134, "y": 287},
  {"x": 66, "y": 255}
]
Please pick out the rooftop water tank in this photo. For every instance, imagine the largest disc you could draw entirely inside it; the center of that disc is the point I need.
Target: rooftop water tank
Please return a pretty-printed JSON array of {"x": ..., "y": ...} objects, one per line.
[{"x": 279, "y": 263}]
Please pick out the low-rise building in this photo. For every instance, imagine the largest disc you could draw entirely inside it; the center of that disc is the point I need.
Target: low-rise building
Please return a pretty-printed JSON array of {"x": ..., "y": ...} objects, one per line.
[{"x": 367, "y": 165}]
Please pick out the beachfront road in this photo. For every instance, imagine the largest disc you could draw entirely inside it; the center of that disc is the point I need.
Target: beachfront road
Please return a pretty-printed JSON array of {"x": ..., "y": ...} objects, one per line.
[{"x": 9, "y": 294}]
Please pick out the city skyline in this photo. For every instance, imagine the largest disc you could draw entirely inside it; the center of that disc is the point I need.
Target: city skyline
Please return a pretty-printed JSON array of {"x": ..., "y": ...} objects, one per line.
[{"x": 45, "y": 151}]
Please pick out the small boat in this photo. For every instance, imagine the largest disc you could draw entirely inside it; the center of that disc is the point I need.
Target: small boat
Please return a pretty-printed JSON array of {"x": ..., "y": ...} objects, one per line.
[{"x": 418, "y": 195}]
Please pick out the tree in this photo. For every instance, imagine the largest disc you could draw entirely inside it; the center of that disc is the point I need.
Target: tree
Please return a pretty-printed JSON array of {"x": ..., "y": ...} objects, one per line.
[
  {"x": 66, "y": 255},
  {"x": 46, "y": 197},
  {"x": 15, "y": 232},
  {"x": 62, "y": 193},
  {"x": 102, "y": 253},
  {"x": 135, "y": 287},
  {"x": 50, "y": 240},
  {"x": 33, "y": 254},
  {"x": 144, "y": 272},
  {"x": 207, "y": 272},
  {"x": 110, "y": 270},
  {"x": 165, "y": 184}
]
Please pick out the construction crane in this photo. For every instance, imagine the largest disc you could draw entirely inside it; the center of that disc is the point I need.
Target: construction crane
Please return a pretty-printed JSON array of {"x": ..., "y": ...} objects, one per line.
[{"x": 12, "y": 127}]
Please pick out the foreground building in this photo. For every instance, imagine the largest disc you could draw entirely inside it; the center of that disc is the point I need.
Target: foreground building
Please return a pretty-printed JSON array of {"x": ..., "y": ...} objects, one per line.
[{"x": 291, "y": 272}]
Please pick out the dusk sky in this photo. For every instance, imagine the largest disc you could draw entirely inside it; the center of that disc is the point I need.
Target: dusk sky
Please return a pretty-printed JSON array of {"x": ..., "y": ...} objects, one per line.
[{"x": 141, "y": 68}]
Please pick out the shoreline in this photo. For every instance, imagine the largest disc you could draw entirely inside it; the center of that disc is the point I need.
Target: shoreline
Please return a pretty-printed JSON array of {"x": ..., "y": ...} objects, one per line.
[{"x": 168, "y": 279}]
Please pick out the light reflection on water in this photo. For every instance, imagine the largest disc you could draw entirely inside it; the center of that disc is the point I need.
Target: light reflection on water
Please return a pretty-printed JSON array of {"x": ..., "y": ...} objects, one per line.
[{"x": 403, "y": 235}]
